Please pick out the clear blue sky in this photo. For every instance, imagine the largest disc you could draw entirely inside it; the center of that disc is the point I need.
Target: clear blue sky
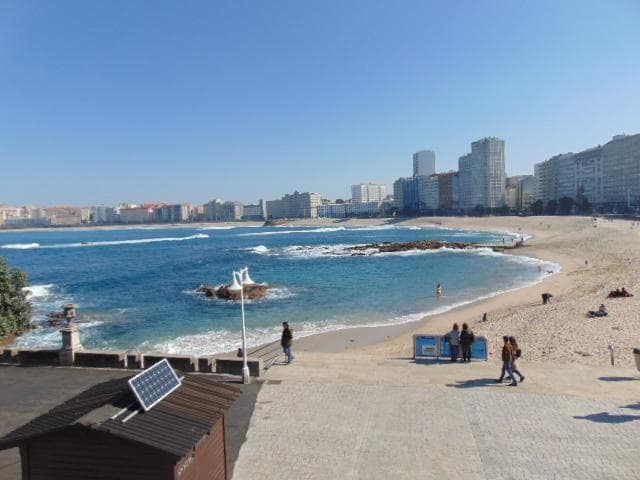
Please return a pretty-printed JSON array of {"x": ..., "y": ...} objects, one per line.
[{"x": 108, "y": 101}]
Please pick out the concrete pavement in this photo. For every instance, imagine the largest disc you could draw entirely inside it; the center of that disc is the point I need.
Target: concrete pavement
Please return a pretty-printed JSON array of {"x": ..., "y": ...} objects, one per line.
[{"x": 344, "y": 417}]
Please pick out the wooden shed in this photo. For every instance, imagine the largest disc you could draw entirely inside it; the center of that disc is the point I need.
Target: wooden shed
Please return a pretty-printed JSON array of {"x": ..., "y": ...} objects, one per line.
[{"x": 101, "y": 434}]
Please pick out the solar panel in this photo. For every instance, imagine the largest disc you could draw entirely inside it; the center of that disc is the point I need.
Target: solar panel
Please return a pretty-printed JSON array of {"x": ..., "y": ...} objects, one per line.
[{"x": 154, "y": 384}]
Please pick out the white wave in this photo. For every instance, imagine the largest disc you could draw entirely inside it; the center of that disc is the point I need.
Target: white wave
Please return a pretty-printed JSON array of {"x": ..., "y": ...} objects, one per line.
[
  {"x": 260, "y": 249},
  {"x": 278, "y": 293},
  {"x": 20, "y": 246},
  {"x": 49, "y": 337},
  {"x": 287, "y": 232},
  {"x": 38, "y": 291},
  {"x": 112, "y": 242}
]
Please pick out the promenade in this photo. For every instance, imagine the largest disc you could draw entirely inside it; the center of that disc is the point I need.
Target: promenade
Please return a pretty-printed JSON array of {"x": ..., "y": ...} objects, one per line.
[{"x": 338, "y": 416}]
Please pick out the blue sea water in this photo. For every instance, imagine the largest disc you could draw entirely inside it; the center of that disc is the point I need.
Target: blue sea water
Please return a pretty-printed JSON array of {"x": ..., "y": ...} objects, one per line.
[{"x": 137, "y": 288}]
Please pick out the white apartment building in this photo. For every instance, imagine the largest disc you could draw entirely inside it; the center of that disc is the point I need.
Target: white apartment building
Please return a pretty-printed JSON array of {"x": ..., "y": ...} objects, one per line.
[
  {"x": 332, "y": 210},
  {"x": 368, "y": 192},
  {"x": 219, "y": 211},
  {"x": 555, "y": 178},
  {"x": 295, "y": 205},
  {"x": 362, "y": 209},
  {"x": 489, "y": 153},
  {"x": 607, "y": 175},
  {"x": 349, "y": 209},
  {"x": 621, "y": 171},
  {"x": 424, "y": 163},
  {"x": 256, "y": 211}
]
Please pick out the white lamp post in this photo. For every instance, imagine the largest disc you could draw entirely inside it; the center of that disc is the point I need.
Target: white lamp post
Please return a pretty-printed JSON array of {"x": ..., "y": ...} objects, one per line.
[{"x": 238, "y": 278}]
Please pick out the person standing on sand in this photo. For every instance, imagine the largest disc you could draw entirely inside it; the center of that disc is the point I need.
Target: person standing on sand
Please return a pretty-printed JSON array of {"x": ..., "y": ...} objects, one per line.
[
  {"x": 507, "y": 362},
  {"x": 286, "y": 341},
  {"x": 466, "y": 340},
  {"x": 454, "y": 342}
]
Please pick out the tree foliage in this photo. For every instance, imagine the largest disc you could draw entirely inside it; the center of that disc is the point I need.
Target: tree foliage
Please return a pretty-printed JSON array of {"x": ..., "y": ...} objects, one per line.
[
  {"x": 537, "y": 207},
  {"x": 565, "y": 205},
  {"x": 552, "y": 207},
  {"x": 15, "y": 310},
  {"x": 583, "y": 205}
]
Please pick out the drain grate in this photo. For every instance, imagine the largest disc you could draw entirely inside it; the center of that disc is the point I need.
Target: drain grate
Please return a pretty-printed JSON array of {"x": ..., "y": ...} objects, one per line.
[{"x": 274, "y": 382}]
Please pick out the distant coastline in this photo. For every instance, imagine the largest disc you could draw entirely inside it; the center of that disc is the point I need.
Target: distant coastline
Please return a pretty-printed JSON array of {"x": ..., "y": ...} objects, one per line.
[{"x": 138, "y": 226}]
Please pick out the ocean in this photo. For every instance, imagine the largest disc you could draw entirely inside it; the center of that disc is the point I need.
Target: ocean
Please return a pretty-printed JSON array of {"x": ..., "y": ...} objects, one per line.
[{"x": 136, "y": 289}]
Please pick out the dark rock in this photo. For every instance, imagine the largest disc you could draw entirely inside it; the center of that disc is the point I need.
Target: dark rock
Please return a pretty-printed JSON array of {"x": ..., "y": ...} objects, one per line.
[
  {"x": 417, "y": 245},
  {"x": 251, "y": 292}
]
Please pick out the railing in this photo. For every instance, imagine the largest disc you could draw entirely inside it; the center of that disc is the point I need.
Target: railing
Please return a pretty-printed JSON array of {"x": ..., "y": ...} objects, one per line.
[{"x": 268, "y": 353}]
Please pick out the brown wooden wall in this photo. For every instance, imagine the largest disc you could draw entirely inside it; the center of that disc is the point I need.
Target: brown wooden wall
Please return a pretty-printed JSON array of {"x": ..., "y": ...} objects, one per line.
[
  {"x": 209, "y": 460},
  {"x": 82, "y": 454}
]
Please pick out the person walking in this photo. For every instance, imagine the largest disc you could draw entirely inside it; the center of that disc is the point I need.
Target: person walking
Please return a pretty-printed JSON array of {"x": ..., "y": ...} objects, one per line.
[
  {"x": 454, "y": 342},
  {"x": 286, "y": 341},
  {"x": 466, "y": 340},
  {"x": 517, "y": 353},
  {"x": 507, "y": 362},
  {"x": 439, "y": 291}
]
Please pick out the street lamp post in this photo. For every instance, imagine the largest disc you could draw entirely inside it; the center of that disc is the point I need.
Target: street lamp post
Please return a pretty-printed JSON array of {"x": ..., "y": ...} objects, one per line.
[{"x": 238, "y": 278}]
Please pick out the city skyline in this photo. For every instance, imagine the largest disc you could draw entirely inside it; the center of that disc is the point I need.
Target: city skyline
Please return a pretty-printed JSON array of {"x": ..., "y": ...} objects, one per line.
[{"x": 245, "y": 98}]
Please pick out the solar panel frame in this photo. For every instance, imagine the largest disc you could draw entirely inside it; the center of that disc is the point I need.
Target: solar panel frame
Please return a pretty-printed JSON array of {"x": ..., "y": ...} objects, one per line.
[{"x": 154, "y": 381}]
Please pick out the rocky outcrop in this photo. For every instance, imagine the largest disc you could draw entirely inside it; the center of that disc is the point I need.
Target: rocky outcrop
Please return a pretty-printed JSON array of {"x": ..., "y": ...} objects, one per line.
[
  {"x": 406, "y": 246},
  {"x": 251, "y": 292}
]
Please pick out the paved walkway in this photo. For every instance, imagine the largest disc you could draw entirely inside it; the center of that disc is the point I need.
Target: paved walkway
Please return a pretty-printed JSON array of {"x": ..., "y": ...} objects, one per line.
[{"x": 338, "y": 417}]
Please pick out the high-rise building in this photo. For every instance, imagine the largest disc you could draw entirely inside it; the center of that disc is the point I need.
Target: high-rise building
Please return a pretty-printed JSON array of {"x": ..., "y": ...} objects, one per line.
[
  {"x": 296, "y": 205},
  {"x": 482, "y": 174},
  {"x": 448, "y": 190},
  {"x": 427, "y": 193},
  {"x": 555, "y": 178},
  {"x": 424, "y": 163},
  {"x": 367, "y": 192},
  {"x": 470, "y": 183},
  {"x": 406, "y": 194}
]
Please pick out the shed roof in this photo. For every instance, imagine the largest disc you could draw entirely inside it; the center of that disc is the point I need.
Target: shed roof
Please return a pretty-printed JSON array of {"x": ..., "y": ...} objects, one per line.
[{"x": 175, "y": 425}]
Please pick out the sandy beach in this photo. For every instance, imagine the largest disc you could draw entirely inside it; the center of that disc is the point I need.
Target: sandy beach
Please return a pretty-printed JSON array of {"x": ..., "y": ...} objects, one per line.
[{"x": 595, "y": 256}]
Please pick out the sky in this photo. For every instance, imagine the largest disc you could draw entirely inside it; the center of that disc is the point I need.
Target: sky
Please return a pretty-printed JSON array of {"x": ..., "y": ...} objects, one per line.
[{"x": 138, "y": 101}]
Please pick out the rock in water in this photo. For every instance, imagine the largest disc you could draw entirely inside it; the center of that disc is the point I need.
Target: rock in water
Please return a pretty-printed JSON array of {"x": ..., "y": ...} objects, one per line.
[
  {"x": 208, "y": 290},
  {"x": 251, "y": 292},
  {"x": 417, "y": 245}
]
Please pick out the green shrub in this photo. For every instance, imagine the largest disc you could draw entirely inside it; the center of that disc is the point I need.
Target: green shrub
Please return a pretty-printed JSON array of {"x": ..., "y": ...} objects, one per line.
[{"x": 15, "y": 310}]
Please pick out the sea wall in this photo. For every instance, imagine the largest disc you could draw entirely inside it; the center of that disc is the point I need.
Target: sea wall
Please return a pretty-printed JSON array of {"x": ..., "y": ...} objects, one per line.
[{"x": 132, "y": 360}]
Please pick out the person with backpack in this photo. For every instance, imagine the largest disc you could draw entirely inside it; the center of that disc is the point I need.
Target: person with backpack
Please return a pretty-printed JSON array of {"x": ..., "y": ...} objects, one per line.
[
  {"x": 466, "y": 340},
  {"x": 508, "y": 356},
  {"x": 517, "y": 353}
]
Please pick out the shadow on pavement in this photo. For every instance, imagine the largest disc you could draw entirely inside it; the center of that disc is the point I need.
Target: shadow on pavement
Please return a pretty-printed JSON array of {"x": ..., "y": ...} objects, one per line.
[
  {"x": 606, "y": 417},
  {"x": 476, "y": 382},
  {"x": 239, "y": 419},
  {"x": 617, "y": 379},
  {"x": 633, "y": 406}
]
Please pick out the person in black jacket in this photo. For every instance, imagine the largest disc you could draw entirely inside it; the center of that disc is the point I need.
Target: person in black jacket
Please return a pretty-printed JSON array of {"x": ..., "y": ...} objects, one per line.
[
  {"x": 466, "y": 340},
  {"x": 286, "y": 341}
]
